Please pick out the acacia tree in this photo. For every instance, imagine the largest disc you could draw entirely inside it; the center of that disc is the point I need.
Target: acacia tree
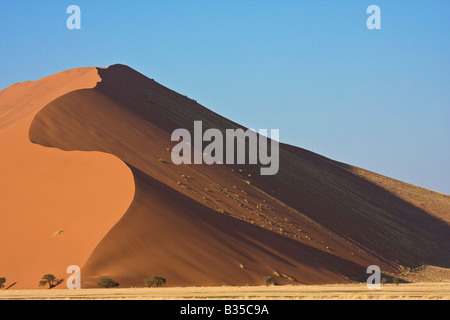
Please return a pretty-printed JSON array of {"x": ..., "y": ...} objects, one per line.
[
  {"x": 107, "y": 283},
  {"x": 51, "y": 280},
  {"x": 155, "y": 281},
  {"x": 268, "y": 280}
]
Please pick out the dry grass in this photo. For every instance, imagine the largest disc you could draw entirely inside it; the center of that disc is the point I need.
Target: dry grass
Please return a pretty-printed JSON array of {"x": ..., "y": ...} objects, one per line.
[{"x": 413, "y": 291}]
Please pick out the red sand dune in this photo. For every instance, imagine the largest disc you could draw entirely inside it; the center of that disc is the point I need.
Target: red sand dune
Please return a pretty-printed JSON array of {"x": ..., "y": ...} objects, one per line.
[
  {"x": 44, "y": 190},
  {"x": 127, "y": 215}
]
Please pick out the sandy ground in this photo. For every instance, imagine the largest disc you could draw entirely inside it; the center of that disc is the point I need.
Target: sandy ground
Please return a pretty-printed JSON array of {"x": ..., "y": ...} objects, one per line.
[{"x": 414, "y": 291}]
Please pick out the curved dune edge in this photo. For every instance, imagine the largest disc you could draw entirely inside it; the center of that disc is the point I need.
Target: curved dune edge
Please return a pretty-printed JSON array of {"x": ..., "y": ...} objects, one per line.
[{"x": 55, "y": 205}]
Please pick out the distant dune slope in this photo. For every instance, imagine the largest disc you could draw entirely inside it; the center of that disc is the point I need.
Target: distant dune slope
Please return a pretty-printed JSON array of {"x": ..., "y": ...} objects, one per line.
[
  {"x": 316, "y": 221},
  {"x": 55, "y": 206}
]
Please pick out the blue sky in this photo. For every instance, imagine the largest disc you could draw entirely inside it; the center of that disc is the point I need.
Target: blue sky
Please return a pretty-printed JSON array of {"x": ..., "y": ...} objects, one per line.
[{"x": 377, "y": 99}]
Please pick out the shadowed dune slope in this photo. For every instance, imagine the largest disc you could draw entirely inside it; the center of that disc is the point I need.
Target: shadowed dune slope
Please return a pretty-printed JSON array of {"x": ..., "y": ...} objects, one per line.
[
  {"x": 55, "y": 206},
  {"x": 316, "y": 221}
]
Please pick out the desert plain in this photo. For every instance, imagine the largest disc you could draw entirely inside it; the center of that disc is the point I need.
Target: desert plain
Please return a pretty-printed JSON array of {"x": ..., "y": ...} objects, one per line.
[{"x": 406, "y": 291}]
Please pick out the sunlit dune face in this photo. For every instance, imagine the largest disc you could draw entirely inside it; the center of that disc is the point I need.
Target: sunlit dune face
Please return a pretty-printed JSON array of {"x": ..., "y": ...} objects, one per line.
[{"x": 55, "y": 205}]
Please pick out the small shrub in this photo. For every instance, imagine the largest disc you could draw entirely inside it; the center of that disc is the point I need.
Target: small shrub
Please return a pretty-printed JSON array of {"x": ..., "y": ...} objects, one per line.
[
  {"x": 57, "y": 232},
  {"x": 107, "y": 283},
  {"x": 268, "y": 280},
  {"x": 383, "y": 281},
  {"x": 2, "y": 282},
  {"x": 396, "y": 280},
  {"x": 51, "y": 280},
  {"x": 155, "y": 281}
]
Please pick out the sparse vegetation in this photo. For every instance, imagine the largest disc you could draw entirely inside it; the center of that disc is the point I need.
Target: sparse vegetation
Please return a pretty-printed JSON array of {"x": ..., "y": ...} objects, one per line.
[
  {"x": 51, "y": 280},
  {"x": 155, "y": 281},
  {"x": 182, "y": 185},
  {"x": 287, "y": 277},
  {"x": 57, "y": 232},
  {"x": 107, "y": 283},
  {"x": 396, "y": 280},
  {"x": 267, "y": 281},
  {"x": 2, "y": 282}
]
